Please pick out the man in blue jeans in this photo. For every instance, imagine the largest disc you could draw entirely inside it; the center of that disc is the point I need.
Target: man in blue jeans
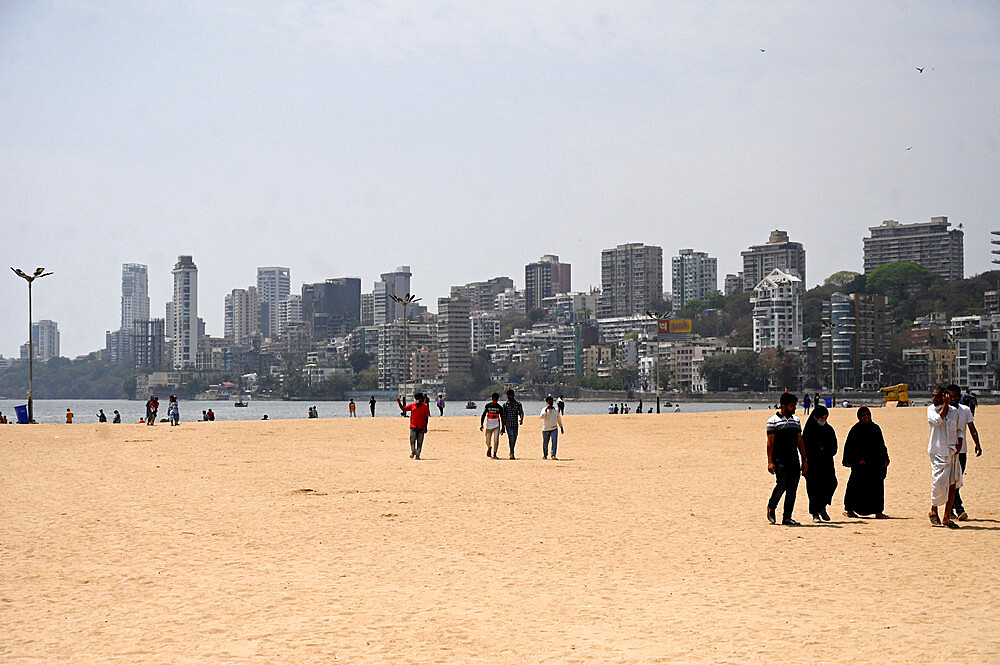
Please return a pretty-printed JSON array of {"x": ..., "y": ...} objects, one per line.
[
  {"x": 512, "y": 417},
  {"x": 551, "y": 426}
]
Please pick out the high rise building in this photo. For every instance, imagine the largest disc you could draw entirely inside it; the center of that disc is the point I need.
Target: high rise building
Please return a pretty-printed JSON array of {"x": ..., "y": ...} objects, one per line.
[
  {"x": 135, "y": 294},
  {"x": 396, "y": 340},
  {"x": 184, "y": 310},
  {"x": 289, "y": 314},
  {"x": 367, "y": 309},
  {"x": 484, "y": 330},
  {"x": 777, "y": 312},
  {"x": 931, "y": 244},
  {"x": 777, "y": 253},
  {"x": 694, "y": 276},
  {"x": 274, "y": 284},
  {"x": 454, "y": 332},
  {"x": 734, "y": 283},
  {"x": 543, "y": 278},
  {"x": 45, "y": 335},
  {"x": 397, "y": 282},
  {"x": 148, "y": 344},
  {"x": 631, "y": 279},
  {"x": 242, "y": 316},
  {"x": 332, "y": 307},
  {"x": 483, "y": 295}
]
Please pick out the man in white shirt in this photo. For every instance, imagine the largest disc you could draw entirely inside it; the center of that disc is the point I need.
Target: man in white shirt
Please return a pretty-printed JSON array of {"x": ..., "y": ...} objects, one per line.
[
  {"x": 966, "y": 421},
  {"x": 946, "y": 471}
]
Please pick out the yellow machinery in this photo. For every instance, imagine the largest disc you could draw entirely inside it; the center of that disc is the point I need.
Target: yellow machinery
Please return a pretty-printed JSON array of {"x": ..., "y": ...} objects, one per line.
[{"x": 896, "y": 395}]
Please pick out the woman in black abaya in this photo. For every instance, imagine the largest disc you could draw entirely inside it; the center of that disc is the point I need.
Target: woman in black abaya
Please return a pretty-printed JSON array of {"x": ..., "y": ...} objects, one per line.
[
  {"x": 821, "y": 447},
  {"x": 865, "y": 453}
]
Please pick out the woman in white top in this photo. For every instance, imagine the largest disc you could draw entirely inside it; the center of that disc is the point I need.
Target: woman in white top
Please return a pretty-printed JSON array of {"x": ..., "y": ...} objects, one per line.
[{"x": 551, "y": 426}]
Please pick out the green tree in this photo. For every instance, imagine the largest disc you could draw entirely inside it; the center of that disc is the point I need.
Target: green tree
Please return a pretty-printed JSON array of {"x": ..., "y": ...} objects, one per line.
[{"x": 899, "y": 280}]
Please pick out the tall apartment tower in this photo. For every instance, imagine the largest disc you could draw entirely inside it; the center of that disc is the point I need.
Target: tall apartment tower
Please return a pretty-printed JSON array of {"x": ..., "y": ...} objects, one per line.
[
  {"x": 778, "y": 252},
  {"x": 454, "y": 331},
  {"x": 184, "y": 314},
  {"x": 289, "y": 314},
  {"x": 135, "y": 294},
  {"x": 931, "y": 244},
  {"x": 777, "y": 311},
  {"x": 543, "y": 278},
  {"x": 274, "y": 283},
  {"x": 483, "y": 295},
  {"x": 694, "y": 276},
  {"x": 631, "y": 279},
  {"x": 45, "y": 334},
  {"x": 397, "y": 282},
  {"x": 242, "y": 319},
  {"x": 332, "y": 307}
]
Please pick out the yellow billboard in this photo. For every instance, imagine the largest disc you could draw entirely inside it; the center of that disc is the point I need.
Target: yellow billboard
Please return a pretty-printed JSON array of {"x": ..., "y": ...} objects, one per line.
[{"x": 674, "y": 325}]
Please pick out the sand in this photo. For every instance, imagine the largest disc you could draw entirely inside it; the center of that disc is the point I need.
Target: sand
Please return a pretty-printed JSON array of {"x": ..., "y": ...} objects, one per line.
[{"x": 321, "y": 541}]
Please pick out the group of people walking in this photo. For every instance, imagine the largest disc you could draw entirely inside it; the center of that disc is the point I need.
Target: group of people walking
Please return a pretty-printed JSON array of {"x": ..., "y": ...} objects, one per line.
[
  {"x": 496, "y": 420},
  {"x": 811, "y": 452}
]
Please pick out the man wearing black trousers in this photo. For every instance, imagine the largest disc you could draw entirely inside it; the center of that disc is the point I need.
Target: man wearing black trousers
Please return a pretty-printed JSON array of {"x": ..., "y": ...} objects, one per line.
[{"x": 784, "y": 446}]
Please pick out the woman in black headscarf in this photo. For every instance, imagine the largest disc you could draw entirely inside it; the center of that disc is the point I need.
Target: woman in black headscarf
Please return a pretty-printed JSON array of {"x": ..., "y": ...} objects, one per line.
[
  {"x": 865, "y": 453},
  {"x": 821, "y": 446}
]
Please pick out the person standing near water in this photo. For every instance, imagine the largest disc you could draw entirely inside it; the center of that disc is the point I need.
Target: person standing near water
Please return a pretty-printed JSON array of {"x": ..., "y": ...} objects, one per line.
[
  {"x": 784, "y": 446},
  {"x": 419, "y": 414},
  {"x": 491, "y": 415},
  {"x": 821, "y": 446},
  {"x": 352, "y": 409},
  {"x": 152, "y": 406},
  {"x": 440, "y": 404},
  {"x": 868, "y": 458},
  {"x": 552, "y": 425},
  {"x": 371, "y": 405},
  {"x": 806, "y": 404},
  {"x": 173, "y": 412},
  {"x": 561, "y": 404},
  {"x": 69, "y": 417}
]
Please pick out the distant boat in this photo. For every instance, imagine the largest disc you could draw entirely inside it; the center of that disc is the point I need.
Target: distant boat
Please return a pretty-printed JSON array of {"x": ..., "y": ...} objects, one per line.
[
  {"x": 239, "y": 400},
  {"x": 241, "y": 404},
  {"x": 470, "y": 404}
]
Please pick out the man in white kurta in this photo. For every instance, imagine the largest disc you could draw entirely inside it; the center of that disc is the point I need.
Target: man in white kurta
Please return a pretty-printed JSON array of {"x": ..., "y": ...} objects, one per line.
[{"x": 946, "y": 471}]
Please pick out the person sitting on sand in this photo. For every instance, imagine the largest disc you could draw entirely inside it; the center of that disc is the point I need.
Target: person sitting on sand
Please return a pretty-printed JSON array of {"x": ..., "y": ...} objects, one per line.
[
  {"x": 101, "y": 418},
  {"x": 211, "y": 415},
  {"x": 117, "y": 418}
]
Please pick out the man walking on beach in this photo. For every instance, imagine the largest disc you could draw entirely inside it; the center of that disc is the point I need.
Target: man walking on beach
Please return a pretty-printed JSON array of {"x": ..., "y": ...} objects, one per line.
[
  {"x": 419, "y": 414},
  {"x": 491, "y": 414},
  {"x": 946, "y": 470},
  {"x": 371, "y": 404},
  {"x": 513, "y": 417},
  {"x": 784, "y": 447},
  {"x": 966, "y": 421}
]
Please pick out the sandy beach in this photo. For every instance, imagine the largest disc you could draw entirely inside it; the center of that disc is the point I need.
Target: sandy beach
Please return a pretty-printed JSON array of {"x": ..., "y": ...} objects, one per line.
[{"x": 321, "y": 541}]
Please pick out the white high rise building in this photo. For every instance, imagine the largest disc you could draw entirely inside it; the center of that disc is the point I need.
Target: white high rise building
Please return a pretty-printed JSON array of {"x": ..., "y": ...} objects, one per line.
[
  {"x": 184, "y": 313},
  {"x": 777, "y": 312},
  {"x": 386, "y": 310},
  {"x": 694, "y": 276},
  {"x": 485, "y": 329},
  {"x": 135, "y": 295},
  {"x": 274, "y": 283},
  {"x": 242, "y": 320},
  {"x": 45, "y": 335},
  {"x": 289, "y": 314}
]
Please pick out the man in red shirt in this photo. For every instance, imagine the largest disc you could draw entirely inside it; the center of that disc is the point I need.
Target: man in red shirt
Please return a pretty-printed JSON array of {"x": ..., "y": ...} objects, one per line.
[{"x": 419, "y": 413}]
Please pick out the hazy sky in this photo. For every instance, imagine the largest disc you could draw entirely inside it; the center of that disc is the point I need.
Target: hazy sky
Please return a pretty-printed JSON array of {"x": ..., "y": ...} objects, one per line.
[{"x": 467, "y": 139}]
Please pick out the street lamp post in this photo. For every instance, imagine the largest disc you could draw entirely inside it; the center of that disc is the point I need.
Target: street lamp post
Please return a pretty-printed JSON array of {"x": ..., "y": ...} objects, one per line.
[
  {"x": 405, "y": 301},
  {"x": 656, "y": 341},
  {"x": 39, "y": 272}
]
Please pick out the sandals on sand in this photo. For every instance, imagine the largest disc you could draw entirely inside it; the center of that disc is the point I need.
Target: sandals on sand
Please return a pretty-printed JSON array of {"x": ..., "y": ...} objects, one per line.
[{"x": 935, "y": 520}]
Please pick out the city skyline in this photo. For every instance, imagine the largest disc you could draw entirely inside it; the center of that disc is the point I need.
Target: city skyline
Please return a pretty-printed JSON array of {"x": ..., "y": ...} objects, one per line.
[{"x": 134, "y": 134}]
